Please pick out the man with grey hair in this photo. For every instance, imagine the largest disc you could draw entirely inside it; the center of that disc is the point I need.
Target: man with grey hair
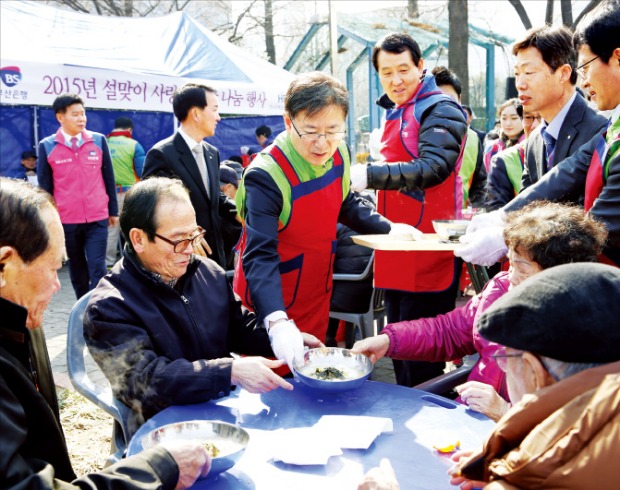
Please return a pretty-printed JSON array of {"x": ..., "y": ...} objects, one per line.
[
  {"x": 163, "y": 324},
  {"x": 34, "y": 452}
]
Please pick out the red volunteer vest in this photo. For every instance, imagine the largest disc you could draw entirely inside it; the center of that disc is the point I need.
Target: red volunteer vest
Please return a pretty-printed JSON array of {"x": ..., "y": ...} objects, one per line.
[
  {"x": 415, "y": 271},
  {"x": 306, "y": 245}
]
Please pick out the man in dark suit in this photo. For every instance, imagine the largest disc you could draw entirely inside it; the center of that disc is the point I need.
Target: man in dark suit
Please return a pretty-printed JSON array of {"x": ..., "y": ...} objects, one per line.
[
  {"x": 545, "y": 71},
  {"x": 186, "y": 156}
]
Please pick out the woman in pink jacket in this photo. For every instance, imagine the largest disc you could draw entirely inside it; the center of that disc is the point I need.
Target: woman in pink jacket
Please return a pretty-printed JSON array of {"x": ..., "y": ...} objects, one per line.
[{"x": 538, "y": 236}]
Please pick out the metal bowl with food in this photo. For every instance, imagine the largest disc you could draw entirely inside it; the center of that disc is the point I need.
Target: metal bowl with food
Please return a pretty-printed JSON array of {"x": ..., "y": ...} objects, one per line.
[
  {"x": 450, "y": 229},
  {"x": 332, "y": 369},
  {"x": 225, "y": 442}
]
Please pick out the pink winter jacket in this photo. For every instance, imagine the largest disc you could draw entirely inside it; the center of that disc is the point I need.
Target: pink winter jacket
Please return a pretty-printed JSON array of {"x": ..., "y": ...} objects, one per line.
[{"x": 452, "y": 336}]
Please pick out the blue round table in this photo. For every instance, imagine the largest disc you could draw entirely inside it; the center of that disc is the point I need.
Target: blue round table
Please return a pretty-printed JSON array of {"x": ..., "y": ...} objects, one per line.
[{"x": 420, "y": 420}]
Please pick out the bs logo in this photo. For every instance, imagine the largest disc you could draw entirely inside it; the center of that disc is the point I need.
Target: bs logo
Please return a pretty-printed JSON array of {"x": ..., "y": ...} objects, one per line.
[{"x": 10, "y": 75}]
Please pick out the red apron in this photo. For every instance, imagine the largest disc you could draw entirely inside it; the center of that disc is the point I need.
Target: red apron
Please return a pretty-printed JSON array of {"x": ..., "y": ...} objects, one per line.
[
  {"x": 306, "y": 245},
  {"x": 415, "y": 271},
  {"x": 596, "y": 178}
]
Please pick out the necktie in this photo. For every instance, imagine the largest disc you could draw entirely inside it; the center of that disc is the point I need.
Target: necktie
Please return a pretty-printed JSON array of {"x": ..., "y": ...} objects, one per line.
[
  {"x": 74, "y": 145},
  {"x": 202, "y": 165},
  {"x": 549, "y": 147}
]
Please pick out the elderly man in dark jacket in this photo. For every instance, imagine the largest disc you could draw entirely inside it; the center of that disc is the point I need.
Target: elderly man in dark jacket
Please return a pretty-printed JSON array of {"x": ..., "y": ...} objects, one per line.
[
  {"x": 422, "y": 143},
  {"x": 33, "y": 452},
  {"x": 163, "y": 323}
]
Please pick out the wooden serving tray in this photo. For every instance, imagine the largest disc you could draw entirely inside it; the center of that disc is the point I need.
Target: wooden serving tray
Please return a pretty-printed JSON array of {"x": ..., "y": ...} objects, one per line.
[{"x": 429, "y": 242}]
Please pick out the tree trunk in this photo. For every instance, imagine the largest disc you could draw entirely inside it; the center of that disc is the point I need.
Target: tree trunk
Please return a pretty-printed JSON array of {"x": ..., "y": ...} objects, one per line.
[
  {"x": 567, "y": 12},
  {"x": 525, "y": 19},
  {"x": 549, "y": 13},
  {"x": 459, "y": 43},
  {"x": 412, "y": 9},
  {"x": 128, "y": 8},
  {"x": 269, "y": 40}
]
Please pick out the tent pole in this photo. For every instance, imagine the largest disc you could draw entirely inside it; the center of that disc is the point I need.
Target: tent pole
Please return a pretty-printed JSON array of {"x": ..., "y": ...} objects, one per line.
[{"x": 35, "y": 120}]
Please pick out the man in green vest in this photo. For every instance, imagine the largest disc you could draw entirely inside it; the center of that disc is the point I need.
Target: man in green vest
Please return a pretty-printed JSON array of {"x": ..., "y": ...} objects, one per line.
[{"x": 128, "y": 161}]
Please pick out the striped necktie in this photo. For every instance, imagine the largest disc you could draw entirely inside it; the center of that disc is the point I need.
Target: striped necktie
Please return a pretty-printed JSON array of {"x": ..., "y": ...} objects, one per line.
[{"x": 549, "y": 147}]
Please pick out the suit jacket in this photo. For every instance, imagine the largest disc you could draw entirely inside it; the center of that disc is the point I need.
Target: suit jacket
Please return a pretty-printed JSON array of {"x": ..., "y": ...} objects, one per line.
[
  {"x": 580, "y": 125},
  {"x": 173, "y": 158}
]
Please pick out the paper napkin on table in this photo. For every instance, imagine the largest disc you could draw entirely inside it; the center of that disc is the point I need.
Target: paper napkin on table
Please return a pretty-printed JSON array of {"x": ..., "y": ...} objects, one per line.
[
  {"x": 304, "y": 446},
  {"x": 353, "y": 432}
]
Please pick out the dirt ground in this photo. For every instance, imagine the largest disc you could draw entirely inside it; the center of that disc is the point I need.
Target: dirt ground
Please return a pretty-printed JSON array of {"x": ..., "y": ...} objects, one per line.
[{"x": 88, "y": 431}]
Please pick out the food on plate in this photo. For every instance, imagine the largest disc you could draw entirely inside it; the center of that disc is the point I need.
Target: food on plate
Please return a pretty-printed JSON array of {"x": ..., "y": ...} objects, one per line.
[{"x": 329, "y": 373}]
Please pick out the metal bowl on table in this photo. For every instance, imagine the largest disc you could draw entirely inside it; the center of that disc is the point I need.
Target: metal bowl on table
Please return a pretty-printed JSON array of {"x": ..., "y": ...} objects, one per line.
[
  {"x": 333, "y": 370},
  {"x": 450, "y": 229},
  {"x": 229, "y": 440}
]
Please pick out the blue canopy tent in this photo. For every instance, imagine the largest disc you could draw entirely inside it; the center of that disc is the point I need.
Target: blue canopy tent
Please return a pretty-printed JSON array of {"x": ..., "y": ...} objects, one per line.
[{"x": 127, "y": 66}]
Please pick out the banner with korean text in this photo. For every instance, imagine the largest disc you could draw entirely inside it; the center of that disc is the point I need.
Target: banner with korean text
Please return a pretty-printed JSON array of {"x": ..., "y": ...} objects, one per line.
[{"x": 28, "y": 83}]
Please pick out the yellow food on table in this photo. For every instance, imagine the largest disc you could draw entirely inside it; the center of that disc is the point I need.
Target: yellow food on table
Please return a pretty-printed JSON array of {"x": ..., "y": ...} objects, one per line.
[{"x": 446, "y": 446}]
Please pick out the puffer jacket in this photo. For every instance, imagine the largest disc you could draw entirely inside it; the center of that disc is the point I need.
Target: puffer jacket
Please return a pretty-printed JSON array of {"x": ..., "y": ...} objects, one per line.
[
  {"x": 564, "y": 436},
  {"x": 453, "y": 335},
  {"x": 438, "y": 151},
  {"x": 161, "y": 346}
]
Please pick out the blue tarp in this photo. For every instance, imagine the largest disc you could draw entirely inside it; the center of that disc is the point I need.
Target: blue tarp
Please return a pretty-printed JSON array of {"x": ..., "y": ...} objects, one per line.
[{"x": 17, "y": 131}]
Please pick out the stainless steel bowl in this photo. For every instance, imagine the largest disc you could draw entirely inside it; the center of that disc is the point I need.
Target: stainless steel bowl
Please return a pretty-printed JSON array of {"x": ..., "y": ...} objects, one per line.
[
  {"x": 230, "y": 439},
  {"x": 450, "y": 229},
  {"x": 355, "y": 369}
]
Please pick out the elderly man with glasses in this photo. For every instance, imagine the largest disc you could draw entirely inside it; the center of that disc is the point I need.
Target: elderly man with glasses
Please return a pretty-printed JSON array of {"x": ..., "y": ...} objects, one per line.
[{"x": 163, "y": 324}]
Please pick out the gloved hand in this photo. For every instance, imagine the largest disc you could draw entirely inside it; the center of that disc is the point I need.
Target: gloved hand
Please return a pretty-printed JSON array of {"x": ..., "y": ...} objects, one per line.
[
  {"x": 485, "y": 247},
  {"x": 407, "y": 231},
  {"x": 486, "y": 220},
  {"x": 359, "y": 177},
  {"x": 287, "y": 342}
]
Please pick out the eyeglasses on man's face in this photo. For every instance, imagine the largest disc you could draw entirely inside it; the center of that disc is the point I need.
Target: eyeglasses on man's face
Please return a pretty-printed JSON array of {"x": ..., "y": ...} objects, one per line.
[
  {"x": 180, "y": 246},
  {"x": 581, "y": 69},
  {"x": 531, "y": 119},
  {"x": 331, "y": 136},
  {"x": 501, "y": 358}
]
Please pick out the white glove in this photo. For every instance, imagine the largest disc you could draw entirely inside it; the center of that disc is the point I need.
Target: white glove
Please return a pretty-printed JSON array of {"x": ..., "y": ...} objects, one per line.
[
  {"x": 287, "y": 342},
  {"x": 408, "y": 232},
  {"x": 486, "y": 220},
  {"x": 485, "y": 247},
  {"x": 359, "y": 177}
]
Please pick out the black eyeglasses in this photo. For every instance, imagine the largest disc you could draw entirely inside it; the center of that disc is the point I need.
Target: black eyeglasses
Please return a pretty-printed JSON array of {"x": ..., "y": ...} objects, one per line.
[
  {"x": 501, "y": 358},
  {"x": 531, "y": 119},
  {"x": 180, "y": 246},
  {"x": 332, "y": 136},
  {"x": 580, "y": 69}
]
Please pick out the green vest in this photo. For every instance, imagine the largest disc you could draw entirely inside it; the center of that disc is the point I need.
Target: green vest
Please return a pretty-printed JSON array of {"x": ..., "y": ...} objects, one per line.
[
  {"x": 513, "y": 160},
  {"x": 305, "y": 171},
  {"x": 122, "y": 151},
  {"x": 468, "y": 165}
]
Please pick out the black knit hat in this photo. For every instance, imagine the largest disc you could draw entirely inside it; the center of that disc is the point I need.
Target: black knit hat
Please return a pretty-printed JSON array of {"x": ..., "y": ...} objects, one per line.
[{"x": 570, "y": 313}]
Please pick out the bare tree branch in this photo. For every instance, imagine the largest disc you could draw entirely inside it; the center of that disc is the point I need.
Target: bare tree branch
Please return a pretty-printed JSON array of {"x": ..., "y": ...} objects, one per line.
[
  {"x": 525, "y": 19},
  {"x": 586, "y": 11}
]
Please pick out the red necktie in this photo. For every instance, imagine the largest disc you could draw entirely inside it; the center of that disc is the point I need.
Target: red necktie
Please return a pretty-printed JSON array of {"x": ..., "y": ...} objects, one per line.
[{"x": 74, "y": 145}]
